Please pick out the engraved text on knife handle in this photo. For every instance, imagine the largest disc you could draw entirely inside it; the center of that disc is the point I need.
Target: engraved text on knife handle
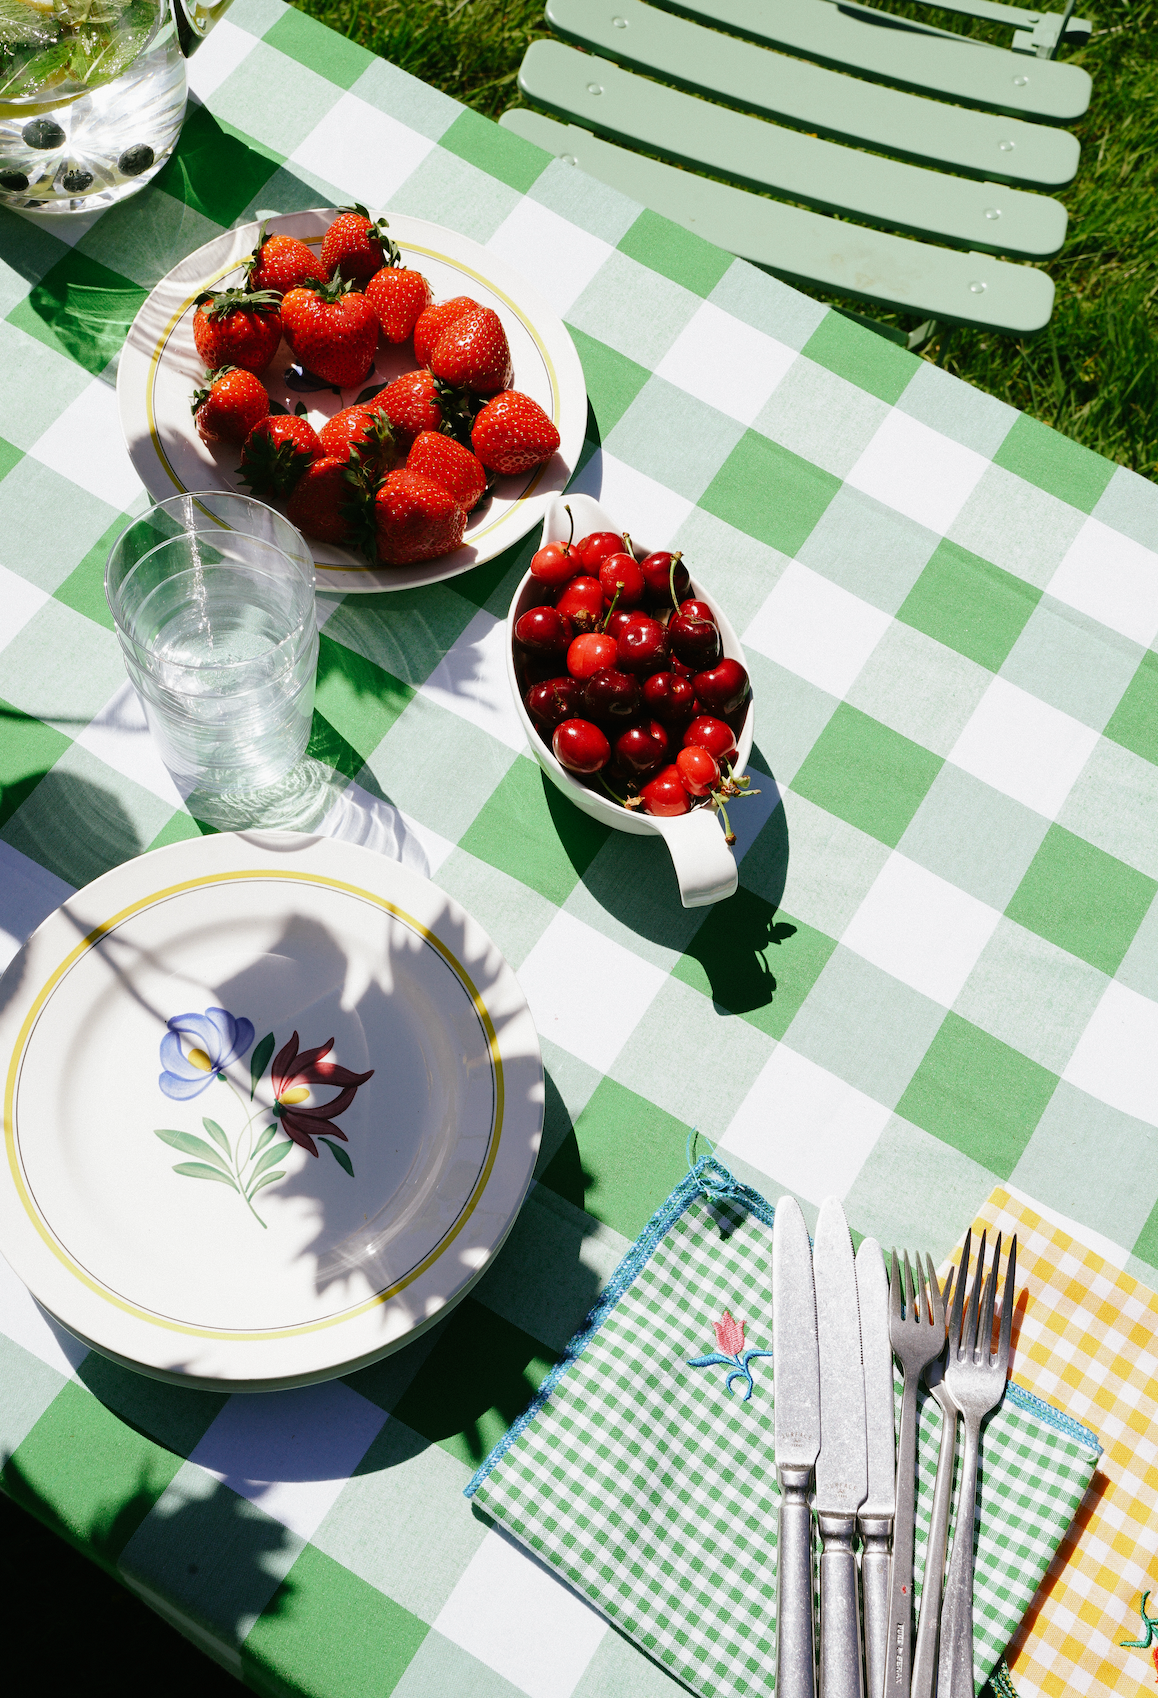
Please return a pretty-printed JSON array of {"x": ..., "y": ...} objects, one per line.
[{"x": 795, "y": 1650}]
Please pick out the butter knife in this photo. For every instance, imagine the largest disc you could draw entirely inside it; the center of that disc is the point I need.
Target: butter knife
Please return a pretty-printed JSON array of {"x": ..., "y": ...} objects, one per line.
[
  {"x": 796, "y": 1365},
  {"x": 876, "y": 1512},
  {"x": 842, "y": 1466}
]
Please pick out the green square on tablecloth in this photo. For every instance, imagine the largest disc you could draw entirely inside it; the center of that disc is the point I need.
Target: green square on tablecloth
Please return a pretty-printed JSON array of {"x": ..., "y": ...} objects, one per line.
[
  {"x": 482, "y": 142},
  {"x": 675, "y": 252},
  {"x": 216, "y": 169},
  {"x": 144, "y": 238},
  {"x": 360, "y": 700},
  {"x": 530, "y": 830},
  {"x": 771, "y": 493},
  {"x": 84, "y": 818},
  {"x": 84, "y": 588},
  {"x": 176, "y": 1417},
  {"x": 179, "y": 828},
  {"x": 9, "y": 456},
  {"x": 38, "y": 385},
  {"x": 1134, "y": 722},
  {"x": 860, "y": 355},
  {"x": 80, "y": 308},
  {"x": 319, "y": 49},
  {"x": 624, "y": 1158},
  {"x": 28, "y": 748},
  {"x": 47, "y": 523},
  {"x": 969, "y": 605},
  {"x": 866, "y": 774},
  {"x": 978, "y": 1094},
  {"x": 613, "y": 381},
  {"x": 1055, "y": 463},
  {"x": 755, "y": 960},
  {"x": 1082, "y": 899}
]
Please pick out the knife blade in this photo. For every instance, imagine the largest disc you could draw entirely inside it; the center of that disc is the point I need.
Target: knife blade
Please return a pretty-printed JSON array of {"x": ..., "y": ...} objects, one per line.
[
  {"x": 876, "y": 1512},
  {"x": 842, "y": 1466},
  {"x": 796, "y": 1365}
]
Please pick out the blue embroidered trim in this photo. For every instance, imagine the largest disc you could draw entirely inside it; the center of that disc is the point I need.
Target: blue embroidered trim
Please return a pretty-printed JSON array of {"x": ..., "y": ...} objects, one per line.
[{"x": 1053, "y": 1417}]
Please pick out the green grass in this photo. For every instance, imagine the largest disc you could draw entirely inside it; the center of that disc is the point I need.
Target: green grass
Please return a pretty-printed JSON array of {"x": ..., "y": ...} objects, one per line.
[{"x": 1093, "y": 373}]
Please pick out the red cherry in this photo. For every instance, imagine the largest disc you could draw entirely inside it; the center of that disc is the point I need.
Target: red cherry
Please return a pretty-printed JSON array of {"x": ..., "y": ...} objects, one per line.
[
  {"x": 580, "y": 746},
  {"x": 665, "y": 796},
  {"x": 556, "y": 563},
  {"x": 552, "y": 702},
  {"x": 697, "y": 610},
  {"x": 657, "y": 575},
  {"x": 638, "y": 752},
  {"x": 642, "y": 646},
  {"x": 693, "y": 638},
  {"x": 544, "y": 630},
  {"x": 620, "y": 576},
  {"x": 724, "y": 688},
  {"x": 698, "y": 772},
  {"x": 660, "y": 733},
  {"x": 712, "y": 735},
  {"x": 582, "y": 602},
  {"x": 616, "y": 623},
  {"x": 594, "y": 549},
  {"x": 590, "y": 653},
  {"x": 670, "y": 698},
  {"x": 611, "y": 697}
]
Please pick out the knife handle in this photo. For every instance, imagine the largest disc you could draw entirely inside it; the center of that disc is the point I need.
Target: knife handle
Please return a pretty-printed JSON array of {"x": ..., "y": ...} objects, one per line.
[
  {"x": 874, "y": 1580},
  {"x": 840, "y": 1642},
  {"x": 795, "y": 1646}
]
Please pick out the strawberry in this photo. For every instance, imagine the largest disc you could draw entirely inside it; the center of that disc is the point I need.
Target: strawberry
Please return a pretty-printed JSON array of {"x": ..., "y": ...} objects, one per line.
[
  {"x": 363, "y": 434},
  {"x": 325, "y": 501},
  {"x": 277, "y": 452},
  {"x": 434, "y": 321},
  {"x": 411, "y": 403},
  {"x": 282, "y": 263},
  {"x": 399, "y": 296},
  {"x": 233, "y": 328},
  {"x": 332, "y": 330},
  {"x": 472, "y": 353},
  {"x": 233, "y": 404},
  {"x": 415, "y": 519},
  {"x": 447, "y": 462},
  {"x": 357, "y": 245},
  {"x": 512, "y": 433}
]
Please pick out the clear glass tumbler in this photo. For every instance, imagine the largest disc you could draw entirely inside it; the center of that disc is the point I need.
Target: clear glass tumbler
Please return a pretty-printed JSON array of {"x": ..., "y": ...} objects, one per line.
[{"x": 213, "y": 599}]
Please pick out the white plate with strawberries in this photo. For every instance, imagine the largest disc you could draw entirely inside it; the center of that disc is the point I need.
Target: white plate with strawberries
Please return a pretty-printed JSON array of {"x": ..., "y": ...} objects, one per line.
[{"x": 406, "y": 502}]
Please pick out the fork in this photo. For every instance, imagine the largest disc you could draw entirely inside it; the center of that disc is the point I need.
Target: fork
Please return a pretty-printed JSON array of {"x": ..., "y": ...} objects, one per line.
[
  {"x": 975, "y": 1377},
  {"x": 925, "y": 1655},
  {"x": 917, "y": 1335}
]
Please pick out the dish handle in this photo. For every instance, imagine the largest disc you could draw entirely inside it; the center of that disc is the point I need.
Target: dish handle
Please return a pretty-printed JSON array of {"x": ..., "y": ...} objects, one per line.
[{"x": 705, "y": 867}]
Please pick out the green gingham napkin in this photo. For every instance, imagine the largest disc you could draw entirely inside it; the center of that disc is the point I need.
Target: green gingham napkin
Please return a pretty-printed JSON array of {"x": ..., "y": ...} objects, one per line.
[{"x": 650, "y": 1484}]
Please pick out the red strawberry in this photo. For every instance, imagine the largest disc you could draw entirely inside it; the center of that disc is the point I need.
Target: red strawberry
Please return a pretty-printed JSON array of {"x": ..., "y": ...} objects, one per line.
[
  {"x": 434, "y": 321},
  {"x": 512, "y": 433},
  {"x": 233, "y": 404},
  {"x": 332, "y": 330},
  {"x": 364, "y": 434},
  {"x": 282, "y": 263},
  {"x": 415, "y": 519},
  {"x": 410, "y": 403},
  {"x": 325, "y": 501},
  {"x": 472, "y": 353},
  {"x": 399, "y": 296},
  {"x": 233, "y": 328},
  {"x": 447, "y": 462},
  {"x": 277, "y": 452},
  {"x": 356, "y": 244}
]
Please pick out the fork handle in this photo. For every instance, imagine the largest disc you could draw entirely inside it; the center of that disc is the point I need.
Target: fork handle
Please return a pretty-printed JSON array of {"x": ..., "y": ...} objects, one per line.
[
  {"x": 955, "y": 1665},
  {"x": 795, "y": 1645},
  {"x": 840, "y": 1641},
  {"x": 925, "y": 1656},
  {"x": 899, "y": 1664}
]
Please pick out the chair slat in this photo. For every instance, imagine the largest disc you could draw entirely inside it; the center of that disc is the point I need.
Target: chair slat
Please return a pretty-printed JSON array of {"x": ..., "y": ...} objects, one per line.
[
  {"x": 876, "y": 45},
  {"x": 617, "y": 103},
  {"x": 845, "y": 108},
  {"x": 807, "y": 249}
]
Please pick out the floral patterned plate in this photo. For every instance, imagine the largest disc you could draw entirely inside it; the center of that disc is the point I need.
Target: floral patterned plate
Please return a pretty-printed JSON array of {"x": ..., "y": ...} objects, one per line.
[{"x": 271, "y": 1105}]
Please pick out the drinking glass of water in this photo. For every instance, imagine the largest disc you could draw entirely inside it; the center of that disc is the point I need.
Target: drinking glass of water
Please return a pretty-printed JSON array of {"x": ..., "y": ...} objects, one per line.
[{"x": 213, "y": 599}]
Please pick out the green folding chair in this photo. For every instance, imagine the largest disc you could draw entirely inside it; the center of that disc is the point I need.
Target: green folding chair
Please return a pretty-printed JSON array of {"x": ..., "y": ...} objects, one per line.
[{"x": 963, "y": 137}]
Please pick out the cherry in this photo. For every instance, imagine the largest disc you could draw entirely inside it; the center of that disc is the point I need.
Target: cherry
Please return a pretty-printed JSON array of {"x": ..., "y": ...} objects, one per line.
[
  {"x": 657, "y": 575},
  {"x": 693, "y": 638},
  {"x": 590, "y": 653},
  {"x": 642, "y": 646},
  {"x": 712, "y": 735},
  {"x": 580, "y": 746},
  {"x": 617, "y": 622},
  {"x": 594, "y": 549},
  {"x": 724, "y": 688},
  {"x": 554, "y": 701},
  {"x": 698, "y": 772},
  {"x": 660, "y": 733},
  {"x": 610, "y": 696},
  {"x": 621, "y": 577},
  {"x": 696, "y": 609},
  {"x": 582, "y": 602},
  {"x": 665, "y": 796},
  {"x": 539, "y": 669},
  {"x": 638, "y": 752},
  {"x": 556, "y": 563},
  {"x": 544, "y": 630},
  {"x": 670, "y": 698}
]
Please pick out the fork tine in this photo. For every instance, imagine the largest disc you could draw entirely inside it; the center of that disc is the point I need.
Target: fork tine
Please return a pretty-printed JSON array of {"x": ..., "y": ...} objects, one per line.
[
  {"x": 1007, "y": 1305},
  {"x": 922, "y": 1306},
  {"x": 910, "y": 1292},
  {"x": 985, "y": 1320},
  {"x": 969, "y": 1330},
  {"x": 895, "y": 1293},
  {"x": 960, "y": 1283},
  {"x": 937, "y": 1301}
]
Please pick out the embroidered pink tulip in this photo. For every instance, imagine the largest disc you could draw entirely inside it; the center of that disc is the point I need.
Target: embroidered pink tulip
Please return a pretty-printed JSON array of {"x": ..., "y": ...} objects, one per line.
[{"x": 729, "y": 1335}]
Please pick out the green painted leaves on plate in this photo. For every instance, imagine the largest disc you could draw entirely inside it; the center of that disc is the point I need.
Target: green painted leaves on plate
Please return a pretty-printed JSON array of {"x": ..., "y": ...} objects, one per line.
[
  {"x": 259, "y": 1061},
  {"x": 198, "y": 1170},
  {"x": 339, "y": 1156}
]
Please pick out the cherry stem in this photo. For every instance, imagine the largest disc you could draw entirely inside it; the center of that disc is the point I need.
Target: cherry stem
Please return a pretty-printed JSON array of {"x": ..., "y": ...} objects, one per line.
[
  {"x": 675, "y": 560},
  {"x": 622, "y": 800},
  {"x": 571, "y": 517},
  {"x": 611, "y": 609},
  {"x": 628, "y": 546}
]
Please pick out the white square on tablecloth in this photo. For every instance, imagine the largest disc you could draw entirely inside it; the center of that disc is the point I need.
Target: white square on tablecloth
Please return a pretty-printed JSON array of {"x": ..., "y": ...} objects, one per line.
[
  {"x": 217, "y": 57},
  {"x": 120, "y": 736},
  {"x": 816, "y": 629},
  {"x": 511, "y": 1612},
  {"x": 1023, "y": 747},
  {"x": 921, "y": 929},
  {"x": 1115, "y": 1057},
  {"x": 1112, "y": 579},
  {"x": 366, "y": 151},
  {"x": 557, "y": 258},
  {"x": 20, "y": 600},
  {"x": 585, "y": 991},
  {"x": 471, "y": 680},
  {"x": 918, "y": 472},
  {"x": 809, "y": 1131},
  {"x": 103, "y": 467},
  {"x": 651, "y": 512},
  {"x": 725, "y": 362},
  {"x": 357, "y": 816}
]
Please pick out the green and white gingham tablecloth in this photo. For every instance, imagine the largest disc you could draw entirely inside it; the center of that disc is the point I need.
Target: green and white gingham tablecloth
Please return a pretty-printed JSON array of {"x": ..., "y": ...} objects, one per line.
[{"x": 941, "y": 968}]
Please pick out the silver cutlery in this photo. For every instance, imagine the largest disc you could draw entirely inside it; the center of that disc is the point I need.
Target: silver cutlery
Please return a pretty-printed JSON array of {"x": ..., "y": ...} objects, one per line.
[
  {"x": 876, "y": 1512},
  {"x": 842, "y": 1465},
  {"x": 925, "y": 1655},
  {"x": 917, "y": 1333},
  {"x": 975, "y": 1377},
  {"x": 795, "y": 1355}
]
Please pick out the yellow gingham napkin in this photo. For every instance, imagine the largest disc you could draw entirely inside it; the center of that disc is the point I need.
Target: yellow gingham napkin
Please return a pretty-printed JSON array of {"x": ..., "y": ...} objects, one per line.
[{"x": 1087, "y": 1341}]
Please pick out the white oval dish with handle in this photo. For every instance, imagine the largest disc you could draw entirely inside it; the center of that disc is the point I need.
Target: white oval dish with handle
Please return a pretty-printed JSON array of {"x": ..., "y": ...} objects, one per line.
[{"x": 705, "y": 866}]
